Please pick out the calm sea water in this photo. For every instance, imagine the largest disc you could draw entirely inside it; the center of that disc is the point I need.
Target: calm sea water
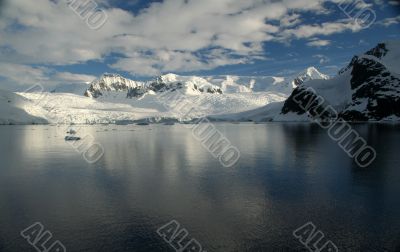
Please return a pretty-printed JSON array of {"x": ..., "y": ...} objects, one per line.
[{"x": 288, "y": 175}]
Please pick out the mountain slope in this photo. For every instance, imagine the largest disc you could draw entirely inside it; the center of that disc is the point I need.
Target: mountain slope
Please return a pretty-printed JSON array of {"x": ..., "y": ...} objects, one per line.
[
  {"x": 375, "y": 84},
  {"x": 285, "y": 85},
  {"x": 15, "y": 109},
  {"x": 114, "y": 99},
  {"x": 117, "y": 86},
  {"x": 167, "y": 106},
  {"x": 367, "y": 89},
  {"x": 114, "y": 85},
  {"x": 310, "y": 73},
  {"x": 111, "y": 83}
]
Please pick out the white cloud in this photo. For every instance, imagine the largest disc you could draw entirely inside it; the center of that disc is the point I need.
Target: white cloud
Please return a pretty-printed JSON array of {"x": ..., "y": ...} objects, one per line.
[
  {"x": 319, "y": 43},
  {"x": 172, "y": 61},
  {"x": 389, "y": 21},
  {"x": 327, "y": 28},
  {"x": 18, "y": 75},
  {"x": 174, "y": 35},
  {"x": 322, "y": 58},
  {"x": 67, "y": 77},
  {"x": 53, "y": 34},
  {"x": 290, "y": 20}
]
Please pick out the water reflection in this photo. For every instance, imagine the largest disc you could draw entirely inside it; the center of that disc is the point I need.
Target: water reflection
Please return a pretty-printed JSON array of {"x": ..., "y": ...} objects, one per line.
[{"x": 288, "y": 174}]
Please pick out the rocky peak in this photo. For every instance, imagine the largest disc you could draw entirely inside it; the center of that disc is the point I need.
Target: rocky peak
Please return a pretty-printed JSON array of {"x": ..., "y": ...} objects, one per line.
[
  {"x": 379, "y": 51},
  {"x": 370, "y": 84},
  {"x": 310, "y": 73},
  {"x": 110, "y": 82}
]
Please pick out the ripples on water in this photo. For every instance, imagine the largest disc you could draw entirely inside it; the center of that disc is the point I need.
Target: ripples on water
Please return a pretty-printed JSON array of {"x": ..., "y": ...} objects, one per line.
[{"x": 288, "y": 175}]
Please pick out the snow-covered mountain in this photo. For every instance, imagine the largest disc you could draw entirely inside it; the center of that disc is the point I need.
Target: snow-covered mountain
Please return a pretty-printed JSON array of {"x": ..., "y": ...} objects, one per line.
[
  {"x": 114, "y": 85},
  {"x": 189, "y": 84},
  {"x": 111, "y": 83},
  {"x": 285, "y": 85},
  {"x": 248, "y": 84},
  {"x": 310, "y": 73},
  {"x": 375, "y": 84},
  {"x": 118, "y": 86},
  {"x": 159, "y": 107},
  {"x": 368, "y": 89},
  {"x": 15, "y": 109},
  {"x": 113, "y": 98}
]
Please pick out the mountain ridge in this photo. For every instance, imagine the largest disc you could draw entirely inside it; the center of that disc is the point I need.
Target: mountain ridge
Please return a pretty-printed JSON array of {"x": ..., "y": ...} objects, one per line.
[
  {"x": 195, "y": 85},
  {"x": 369, "y": 85},
  {"x": 366, "y": 89}
]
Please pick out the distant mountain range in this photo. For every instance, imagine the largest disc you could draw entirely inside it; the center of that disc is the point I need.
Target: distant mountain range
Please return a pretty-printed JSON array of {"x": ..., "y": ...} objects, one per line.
[
  {"x": 112, "y": 84},
  {"x": 367, "y": 89}
]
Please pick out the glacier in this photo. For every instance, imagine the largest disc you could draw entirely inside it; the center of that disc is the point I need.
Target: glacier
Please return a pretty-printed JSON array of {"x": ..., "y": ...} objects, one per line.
[{"x": 367, "y": 89}]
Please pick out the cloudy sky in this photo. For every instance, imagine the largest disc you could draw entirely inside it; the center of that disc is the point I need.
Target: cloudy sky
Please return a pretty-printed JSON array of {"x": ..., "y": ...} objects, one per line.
[{"x": 47, "y": 41}]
